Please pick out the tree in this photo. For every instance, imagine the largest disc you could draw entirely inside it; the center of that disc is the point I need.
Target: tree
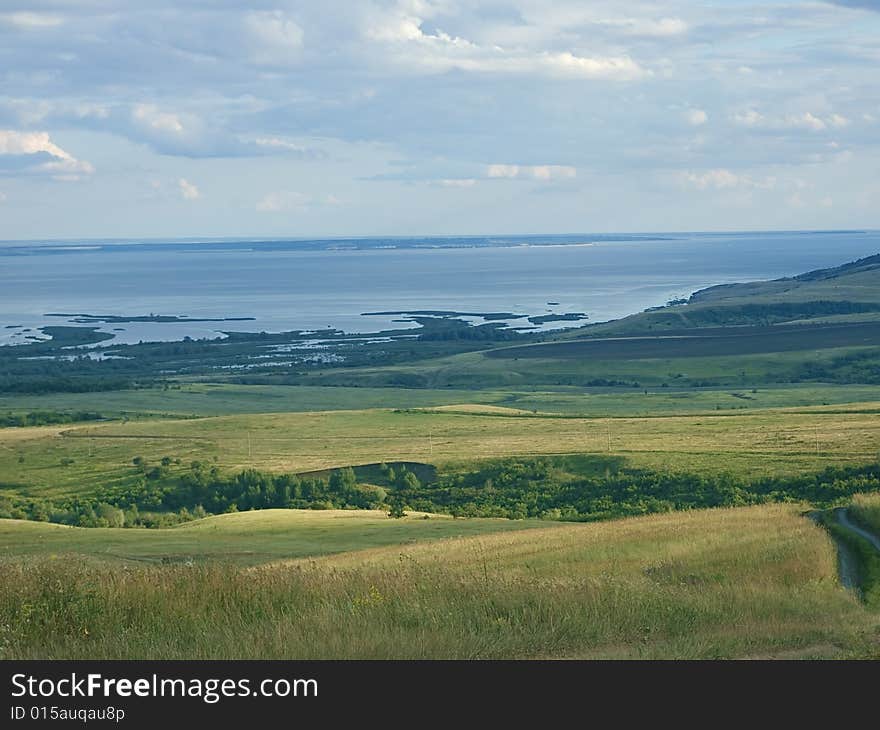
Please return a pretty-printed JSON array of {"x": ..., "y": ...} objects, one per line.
[
  {"x": 396, "y": 511},
  {"x": 343, "y": 480}
]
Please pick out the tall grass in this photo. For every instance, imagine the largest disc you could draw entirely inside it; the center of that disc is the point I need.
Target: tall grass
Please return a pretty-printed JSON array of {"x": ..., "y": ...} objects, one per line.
[
  {"x": 865, "y": 509},
  {"x": 724, "y": 584}
]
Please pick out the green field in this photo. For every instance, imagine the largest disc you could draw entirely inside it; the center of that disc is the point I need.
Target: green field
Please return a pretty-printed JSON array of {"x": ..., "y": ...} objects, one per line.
[
  {"x": 476, "y": 370},
  {"x": 755, "y": 582},
  {"x": 65, "y": 460},
  {"x": 249, "y": 538},
  {"x": 215, "y": 399}
]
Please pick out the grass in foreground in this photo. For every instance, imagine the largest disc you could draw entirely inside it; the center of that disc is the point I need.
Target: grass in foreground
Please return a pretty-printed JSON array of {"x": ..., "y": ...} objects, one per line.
[{"x": 742, "y": 582}]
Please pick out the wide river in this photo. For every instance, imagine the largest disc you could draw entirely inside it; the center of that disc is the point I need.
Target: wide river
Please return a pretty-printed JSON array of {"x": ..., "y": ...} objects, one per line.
[{"x": 312, "y": 285}]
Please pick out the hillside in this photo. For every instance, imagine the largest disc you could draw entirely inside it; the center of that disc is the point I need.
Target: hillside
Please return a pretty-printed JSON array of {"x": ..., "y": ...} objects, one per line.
[
  {"x": 846, "y": 293},
  {"x": 746, "y": 582}
]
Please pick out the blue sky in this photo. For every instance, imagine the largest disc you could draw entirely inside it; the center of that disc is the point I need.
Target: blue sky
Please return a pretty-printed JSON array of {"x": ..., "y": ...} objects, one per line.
[{"x": 222, "y": 118}]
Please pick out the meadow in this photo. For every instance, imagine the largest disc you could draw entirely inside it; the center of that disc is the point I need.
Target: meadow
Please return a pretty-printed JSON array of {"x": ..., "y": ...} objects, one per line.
[
  {"x": 728, "y": 583},
  {"x": 51, "y": 461},
  {"x": 247, "y": 538},
  {"x": 187, "y": 399}
]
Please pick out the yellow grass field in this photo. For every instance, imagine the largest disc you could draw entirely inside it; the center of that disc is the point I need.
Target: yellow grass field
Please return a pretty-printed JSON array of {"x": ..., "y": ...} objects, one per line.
[
  {"x": 731, "y": 583},
  {"x": 774, "y": 441}
]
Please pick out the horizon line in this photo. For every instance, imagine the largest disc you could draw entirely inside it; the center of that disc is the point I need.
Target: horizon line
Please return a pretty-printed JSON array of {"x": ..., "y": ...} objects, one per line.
[{"x": 438, "y": 236}]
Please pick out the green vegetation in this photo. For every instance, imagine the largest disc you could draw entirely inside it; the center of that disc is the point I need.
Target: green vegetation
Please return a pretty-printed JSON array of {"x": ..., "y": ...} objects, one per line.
[
  {"x": 44, "y": 418},
  {"x": 864, "y": 555},
  {"x": 577, "y": 488},
  {"x": 357, "y": 491},
  {"x": 865, "y": 510},
  {"x": 242, "y": 539},
  {"x": 195, "y": 399},
  {"x": 55, "y": 462},
  {"x": 753, "y": 582}
]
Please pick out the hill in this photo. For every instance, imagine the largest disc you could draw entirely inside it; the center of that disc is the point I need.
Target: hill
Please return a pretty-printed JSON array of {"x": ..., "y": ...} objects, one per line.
[
  {"x": 741, "y": 582},
  {"x": 246, "y": 538},
  {"x": 846, "y": 293}
]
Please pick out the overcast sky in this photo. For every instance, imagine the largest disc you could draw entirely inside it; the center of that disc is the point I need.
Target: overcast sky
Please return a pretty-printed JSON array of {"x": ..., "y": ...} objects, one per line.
[{"x": 224, "y": 118}]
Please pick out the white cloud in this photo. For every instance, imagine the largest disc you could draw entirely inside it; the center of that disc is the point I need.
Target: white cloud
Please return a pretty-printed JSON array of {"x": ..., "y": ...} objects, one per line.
[
  {"x": 2, "y": 197},
  {"x": 805, "y": 121},
  {"x": 749, "y": 118},
  {"x": 696, "y": 117},
  {"x": 31, "y": 21},
  {"x": 279, "y": 144},
  {"x": 150, "y": 118},
  {"x": 270, "y": 145},
  {"x": 34, "y": 152},
  {"x": 438, "y": 52},
  {"x": 284, "y": 200},
  {"x": 275, "y": 38},
  {"x": 650, "y": 28},
  {"x": 464, "y": 182},
  {"x": 802, "y": 120},
  {"x": 188, "y": 191},
  {"x": 723, "y": 179},
  {"x": 535, "y": 172},
  {"x": 498, "y": 170}
]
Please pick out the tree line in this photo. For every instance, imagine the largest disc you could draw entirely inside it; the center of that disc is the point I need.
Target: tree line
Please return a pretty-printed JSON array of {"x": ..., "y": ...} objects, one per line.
[{"x": 513, "y": 488}]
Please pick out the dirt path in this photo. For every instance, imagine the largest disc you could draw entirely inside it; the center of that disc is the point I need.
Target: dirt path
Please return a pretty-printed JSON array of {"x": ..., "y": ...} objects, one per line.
[
  {"x": 847, "y": 562},
  {"x": 844, "y": 520}
]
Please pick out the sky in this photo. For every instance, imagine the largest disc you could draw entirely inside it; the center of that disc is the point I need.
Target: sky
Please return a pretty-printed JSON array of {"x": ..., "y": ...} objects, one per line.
[{"x": 188, "y": 118}]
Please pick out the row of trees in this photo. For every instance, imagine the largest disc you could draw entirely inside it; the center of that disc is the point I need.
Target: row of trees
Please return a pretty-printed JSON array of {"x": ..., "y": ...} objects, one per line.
[
  {"x": 512, "y": 488},
  {"x": 46, "y": 418}
]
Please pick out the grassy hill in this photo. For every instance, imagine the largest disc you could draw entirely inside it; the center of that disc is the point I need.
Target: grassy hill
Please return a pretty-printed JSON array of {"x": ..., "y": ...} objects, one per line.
[
  {"x": 846, "y": 293},
  {"x": 753, "y": 582},
  {"x": 247, "y": 538}
]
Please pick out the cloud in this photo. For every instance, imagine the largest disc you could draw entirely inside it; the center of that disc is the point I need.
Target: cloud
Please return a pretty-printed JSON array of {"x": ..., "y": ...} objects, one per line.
[
  {"x": 801, "y": 120},
  {"x": 696, "y": 117},
  {"x": 805, "y": 121},
  {"x": 188, "y": 191},
  {"x": 439, "y": 52},
  {"x": 862, "y": 4},
  {"x": 274, "y": 38},
  {"x": 2, "y": 197},
  {"x": 289, "y": 201},
  {"x": 724, "y": 179},
  {"x": 173, "y": 133},
  {"x": 31, "y": 21},
  {"x": 795, "y": 200},
  {"x": 649, "y": 27},
  {"x": 187, "y": 135},
  {"x": 276, "y": 145},
  {"x": 35, "y": 153},
  {"x": 534, "y": 172},
  {"x": 464, "y": 182}
]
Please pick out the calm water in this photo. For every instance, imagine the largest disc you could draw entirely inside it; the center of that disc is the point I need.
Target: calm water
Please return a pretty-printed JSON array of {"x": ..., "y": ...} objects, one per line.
[{"x": 311, "y": 285}]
